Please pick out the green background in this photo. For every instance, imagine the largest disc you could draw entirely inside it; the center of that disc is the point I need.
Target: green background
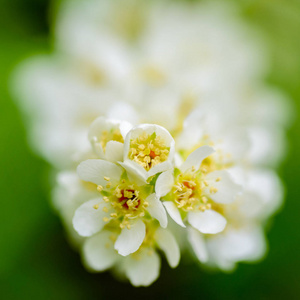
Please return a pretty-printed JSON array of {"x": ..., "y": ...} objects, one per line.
[{"x": 36, "y": 261}]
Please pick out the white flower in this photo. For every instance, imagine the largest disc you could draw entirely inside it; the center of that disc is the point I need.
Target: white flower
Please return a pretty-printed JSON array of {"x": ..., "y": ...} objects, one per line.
[
  {"x": 216, "y": 127},
  {"x": 233, "y": 245},
  {"x": 142, "y": 267},
  {"x": 195, "y": 193},
  {"x": 123, "y": 203},
  {"x": 243, "y": 239},
  {"x": 107, "y": 138},
  {"x": 148, "y": 150}
]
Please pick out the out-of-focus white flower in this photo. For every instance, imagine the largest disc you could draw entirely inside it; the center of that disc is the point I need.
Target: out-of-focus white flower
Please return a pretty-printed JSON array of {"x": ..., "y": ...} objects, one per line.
[
  {"x": 195, "y": 192},
  {"x": 62, "y": 106},
  {"x": 142, "y": 267},
  {"x": 243, "y": 239}
]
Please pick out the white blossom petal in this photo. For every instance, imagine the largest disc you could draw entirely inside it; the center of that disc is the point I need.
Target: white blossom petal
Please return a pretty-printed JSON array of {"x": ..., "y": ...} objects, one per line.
[
  {"x": 164, "y": 183},
  {"x": 168, "y": 244},
  {"x": 173, "y": 212},
  {"x": 131, "y": 239},
  {"x": 94, "y": 170},
  {"x": 197, "y": 242},
  {"x": 227, "y": 189},
  {"x": 87, "y": 219},
  {"x": 99, "y": 252},
  {"x": 195, "y": 158},
  {"x": 143, "y": 269},
  {"x": 134, "y": 174},
  {"x": 161, "y": 167},
  {"x": 157, "y": 210},
  {"x": 114, "y": 151},
  {"x": 209, "y": 221}
]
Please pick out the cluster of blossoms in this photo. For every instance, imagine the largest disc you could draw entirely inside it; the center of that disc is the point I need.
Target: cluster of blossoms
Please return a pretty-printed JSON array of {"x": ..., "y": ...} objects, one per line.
[{"x": 163, "y": 135}]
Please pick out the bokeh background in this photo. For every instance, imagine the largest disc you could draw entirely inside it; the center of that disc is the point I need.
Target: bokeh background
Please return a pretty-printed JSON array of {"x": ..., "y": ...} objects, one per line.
[{"x": 36, "y": 262}]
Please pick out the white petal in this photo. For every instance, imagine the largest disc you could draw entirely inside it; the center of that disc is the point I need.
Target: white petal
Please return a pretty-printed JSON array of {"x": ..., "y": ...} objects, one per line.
[
  {"x": 88, "y": 220},
  {"x": 94, "y": 170},
  {"x": 198, "y": 244},
  {"x": 102, "y": 124},
  {"x": 125, "y": 127},
  {"x": 164, "y": 183},
  {"x": 114, "y": 151},
  {"x": 173, "y": 212},
  {"x": 244, "y": 244},
  {"x": 168, "y": 244},
  {"x": 144, "y": 269},
  {"x": 97, "y": 147},
  {"x": 195, "y": 158},
  {"x": 161, "y": 167},
  {"x": 209, "y": 221},
  {"x": 157, "y": 210},
  {"x": 266, "y": 187},
  {"x": 227, "y": 189},
  {"x": 99, "y": 252},
  {"x": 131, "y": 239},
  {"x": 136, "y": 175}
]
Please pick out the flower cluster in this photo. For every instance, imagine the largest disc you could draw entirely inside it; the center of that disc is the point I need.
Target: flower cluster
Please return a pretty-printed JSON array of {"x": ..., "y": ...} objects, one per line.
[{"x": 162, "y": 132}]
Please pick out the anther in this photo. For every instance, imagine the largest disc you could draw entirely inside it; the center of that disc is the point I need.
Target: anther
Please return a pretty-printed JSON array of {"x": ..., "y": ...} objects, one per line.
[{"x": 99, "y": 188}]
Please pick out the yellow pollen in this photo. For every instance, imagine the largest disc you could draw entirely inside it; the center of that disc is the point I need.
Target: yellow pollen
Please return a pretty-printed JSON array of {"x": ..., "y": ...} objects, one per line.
[
  {"x": 188, "y": 192},
  {"x": 213, "y": 190},
  {"x": 112, "y": 135},
  {"x": 126, "y": 204},
  {"x": 99, "y": 188},
  {"x": 113, "y": 238},
  {"x": 96, "y": 206},
  {"x": 105, "y": 219},
  {"x": 148, "y": 150},
  {"x": 218, "y": 179},
  {"x": 106, "y": 178}
]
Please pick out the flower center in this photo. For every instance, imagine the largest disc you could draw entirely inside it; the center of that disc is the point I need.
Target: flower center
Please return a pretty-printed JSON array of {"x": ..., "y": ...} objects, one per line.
[
  {"x": 148, "y": 150},
  {"x": 111, "y": 135},
  {"x": 188, "y": 193},
  {"x": 124, "y": 203},
  {"x": 215, "y": 162}
]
